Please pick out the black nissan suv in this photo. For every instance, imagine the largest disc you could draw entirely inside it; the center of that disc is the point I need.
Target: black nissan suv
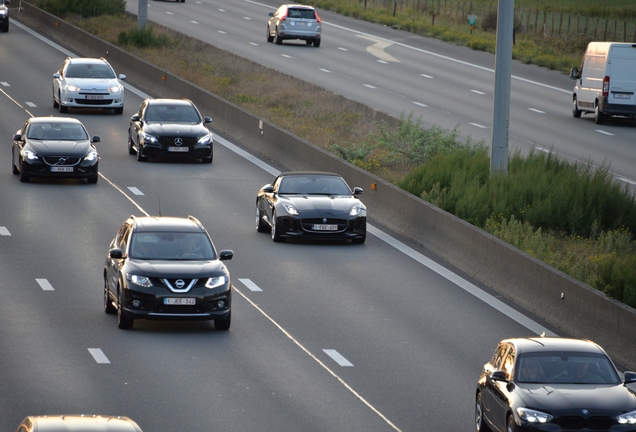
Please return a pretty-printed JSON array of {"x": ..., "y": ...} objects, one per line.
[
  {"x": 4, "y": 15},
  {"x": 166, "y": 268}
]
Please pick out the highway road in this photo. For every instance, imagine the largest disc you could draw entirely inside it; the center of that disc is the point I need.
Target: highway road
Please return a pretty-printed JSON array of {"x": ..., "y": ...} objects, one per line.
[
  {"x": 325, "y": 336},
  {"x": 397, "y": 72}
]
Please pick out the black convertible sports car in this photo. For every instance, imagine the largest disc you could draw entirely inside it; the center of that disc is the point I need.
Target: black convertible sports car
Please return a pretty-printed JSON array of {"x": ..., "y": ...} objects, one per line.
[
  {"x": 54, "y": 147},
  {"x": 166, "y": 268},
  {"x": 553, "y": 384},
  {"x": 314, "y": 205},
  {"x": 170, "y": 128}
]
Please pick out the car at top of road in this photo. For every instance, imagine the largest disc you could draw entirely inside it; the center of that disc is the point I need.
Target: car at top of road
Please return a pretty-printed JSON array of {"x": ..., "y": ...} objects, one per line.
[
  {"x": 4, "y": 15},
  {"x": 311, "y": 205},
  {"x": 553, "y": 384},
  {"x": 166, "y": 268},
  {"x": 88, "y": 83},
  {"x": 55, "y": 147},
  {"x": 294, "y": 21},
  {"x": 78, "y": 423},
  {"x": 170, "y": 128}
]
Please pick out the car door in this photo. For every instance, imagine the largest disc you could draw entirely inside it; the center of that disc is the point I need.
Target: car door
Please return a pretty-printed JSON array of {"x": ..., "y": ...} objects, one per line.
[
  {"x": 136, "y": 125},
  {"x": 273, "y": 23},
  {"x": 17, "y": 146},
  {"x": 501, "y": 389},
  {"x": 270, "y": 199},
  {"x": 57, "y": 81},
  {"x": 115, "y": 264}
]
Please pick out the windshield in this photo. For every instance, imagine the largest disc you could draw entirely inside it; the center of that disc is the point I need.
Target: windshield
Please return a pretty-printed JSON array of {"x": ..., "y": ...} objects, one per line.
[
  {"x": 566, "y": 367},
  {"x": 172, "y": 114},
  {"x": 89, "y": 71},
  {"x": 171, "y": 246},
  {"x": 57, "y": 131},
  {"x": 312, "y": 184}
]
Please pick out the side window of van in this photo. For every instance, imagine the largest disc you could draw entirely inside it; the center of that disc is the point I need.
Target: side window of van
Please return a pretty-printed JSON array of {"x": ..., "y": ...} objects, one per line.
[{"x": 593, "y": 67}]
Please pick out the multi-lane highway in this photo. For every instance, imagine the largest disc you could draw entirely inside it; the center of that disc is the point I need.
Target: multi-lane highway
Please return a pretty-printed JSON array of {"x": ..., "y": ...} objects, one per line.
[
  {"x": 325, "y": 337},
  {"x": 398, "y": 72}
]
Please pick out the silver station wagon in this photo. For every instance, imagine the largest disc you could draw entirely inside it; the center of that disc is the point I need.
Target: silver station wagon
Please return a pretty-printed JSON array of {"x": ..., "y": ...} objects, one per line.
[{"x": 292, "y": 21}]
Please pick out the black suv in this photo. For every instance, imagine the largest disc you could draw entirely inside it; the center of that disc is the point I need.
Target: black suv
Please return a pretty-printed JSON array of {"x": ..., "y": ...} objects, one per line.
[
  {"x": 4, "y": 15},
  {"x": 166, "y": 268},
  {"x": 170, "y": 128}
]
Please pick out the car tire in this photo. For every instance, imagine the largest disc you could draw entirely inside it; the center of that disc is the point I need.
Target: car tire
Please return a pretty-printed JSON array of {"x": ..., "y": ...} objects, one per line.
[
  {"x": 109, "y": 307},
  {"x": 119, "y": 110},
  {"x": 23, "y": 177},
  {"x": 480, "y": 423},
  {"x": 55, "y": 104},
  {"x": 92, "y": 179},
  {"x": 599, "y": 117},
  {"x": 124, "y": 322},
  {"x": 275, "y": 233},
  {"x": 277, "y": 39},
  {"x": 207, "y": 160},
  {"x": 270, "y": 38},
  {"x": 223, "y": 324},
  {"x": 511, "y": 426},
  {"x": 14, "y": 169},
  {"x": 140, "y": 158},
  {"x": 359, "y": 240},
  {"x": 316, "y": 43},
  {"x": 261, "y": 226},
  {"x": 63, "y": 109},
  {"x": 576, "y": 112},
  {"x": 131, "y": 149}
]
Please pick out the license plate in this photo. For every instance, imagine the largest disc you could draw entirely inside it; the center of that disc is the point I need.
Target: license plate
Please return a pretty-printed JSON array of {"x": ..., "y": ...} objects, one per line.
[
  {"x": 622, "y": 96},
  {"x": 179, "y": 301},
  {"x": 61, "y": 169},
  {"x": 94, "y": 97},
  {"x": 325, "y": 227},
  {"x": 178, "y": 149}
]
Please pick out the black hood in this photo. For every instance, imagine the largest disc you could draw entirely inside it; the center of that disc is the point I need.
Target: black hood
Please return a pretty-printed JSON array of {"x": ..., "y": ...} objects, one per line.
[
  {"x": 321, "y": 205},
  {"x": 59, "y": 148},
  {"x": 176, "y": 268},
  {"x": 180, "y": 129}
]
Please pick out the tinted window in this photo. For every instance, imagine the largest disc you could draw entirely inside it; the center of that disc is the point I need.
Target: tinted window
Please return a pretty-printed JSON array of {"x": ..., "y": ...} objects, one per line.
[
  {"x": 57, "y": 131},
  {"x": 171, "y": 246},
  {"x": 89, "y": 71},
  {"x": 172, "y": 114},
  {"x": 322, "y": 185},
  {"x": 301, "y": 13},
  {"x": 571, "y": 368}
]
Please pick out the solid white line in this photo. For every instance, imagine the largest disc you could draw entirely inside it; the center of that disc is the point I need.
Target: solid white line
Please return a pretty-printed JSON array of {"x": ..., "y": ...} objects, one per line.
[
  {"x": 99, "y": 356},
  {"x": 4, "y": 231},
  {"x": 250, "y": 285},
  {"x": 604, "y": 132},
  {"x": 45, "y": 285},
  {"x": 632, "y": 182},
  {"x": 460, "y": 282},
  {"x": 338, "y": 358},
  {"x": 135, "y": 190}
]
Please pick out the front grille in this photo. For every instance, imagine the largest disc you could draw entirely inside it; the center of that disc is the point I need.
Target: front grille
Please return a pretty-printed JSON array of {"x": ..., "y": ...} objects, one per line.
[
  {"x": 308, "y": 224},
  {"x": 61, "y": 160},
  {"x": 94, "y": 102},
  {"x": 179, "y": 310},
  {"x": 589, "y": 423},
  {"x": 168, "y": 141},
  {"x": 171, "y": 283}
]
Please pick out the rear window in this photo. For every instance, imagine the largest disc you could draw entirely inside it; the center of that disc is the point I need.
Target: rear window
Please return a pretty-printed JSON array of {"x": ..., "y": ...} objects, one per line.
[{"x": 301, "y": 13}]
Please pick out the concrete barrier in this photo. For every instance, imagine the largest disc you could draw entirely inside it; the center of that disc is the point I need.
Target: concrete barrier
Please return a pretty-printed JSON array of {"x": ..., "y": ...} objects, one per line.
[{"x": 579, "y": 310}]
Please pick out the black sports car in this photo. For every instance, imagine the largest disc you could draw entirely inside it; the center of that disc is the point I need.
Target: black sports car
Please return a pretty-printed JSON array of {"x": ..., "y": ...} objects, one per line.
[
  {"x": 553, "y": 384},
  {"x": 54, "y": 147},
  {"x": 170, "y": 128},
  {"x": 166, "y": 268},
  {"x": 314, "y": 205}
]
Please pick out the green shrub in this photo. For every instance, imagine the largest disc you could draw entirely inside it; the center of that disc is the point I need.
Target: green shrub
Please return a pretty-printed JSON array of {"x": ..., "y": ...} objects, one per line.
[
  {"x": 143, "y": 38},
  {"x": 82, "y": 8}
]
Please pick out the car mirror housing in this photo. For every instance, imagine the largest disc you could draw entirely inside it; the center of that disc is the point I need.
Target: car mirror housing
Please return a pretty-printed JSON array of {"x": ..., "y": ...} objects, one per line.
[
  {"x": 499, "y": 375},
  {"x": 207, "y": 119},
  {"x": 17, "y": 137},
  {"x": 226, "y": 255},
  {"x": 268, "y": 188},
  {"x": 357, "y": 191},
  {"x": 116, "y": 253},
  {"x": 122, "y": 77},
  {"x": 96, "y": 139},
  {"x": 135, "y": 118},
  {"x": 630, "y": 377}
]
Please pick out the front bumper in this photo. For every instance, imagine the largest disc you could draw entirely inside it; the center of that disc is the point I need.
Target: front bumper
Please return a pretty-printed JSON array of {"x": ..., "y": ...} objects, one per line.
[
  {"x": 39, "y": 168},
  {"x": 184, "y": 152},
  {"x": 103, "y": 100},
  {"x": 347, "y": 229}
]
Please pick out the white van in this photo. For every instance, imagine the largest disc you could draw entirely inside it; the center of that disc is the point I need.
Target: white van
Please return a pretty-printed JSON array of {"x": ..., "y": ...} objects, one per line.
[{"x": 606, "y": 83}]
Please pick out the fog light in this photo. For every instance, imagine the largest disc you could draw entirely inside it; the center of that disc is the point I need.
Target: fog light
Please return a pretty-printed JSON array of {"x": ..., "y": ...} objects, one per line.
[
  {"x": 221, "y": 304},
  {"x": 136, "y": 303}
]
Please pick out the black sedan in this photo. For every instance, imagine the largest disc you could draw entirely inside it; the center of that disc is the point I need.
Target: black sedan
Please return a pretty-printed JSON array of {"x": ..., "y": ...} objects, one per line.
[
  {"x": 54, "y": 147},
  {"x": 553, "y": 384},
  {"x": 170, "y": 128},
  {"x": 312, "y": 205},
  {"x": 166, "y": 268}
]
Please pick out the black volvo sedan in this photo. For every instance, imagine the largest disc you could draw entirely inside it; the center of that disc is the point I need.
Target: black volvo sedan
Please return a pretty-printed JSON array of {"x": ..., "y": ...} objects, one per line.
[{"x": 553, "y": 384}]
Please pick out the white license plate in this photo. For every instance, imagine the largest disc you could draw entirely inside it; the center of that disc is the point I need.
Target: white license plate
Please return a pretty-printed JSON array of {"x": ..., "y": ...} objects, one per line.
[
  {"x": 178, "y": 149},
  {"x": 325, "y": 227},
  {"x": 179, "y": 301},
  {"x": 97, "y": 97},
  {"x": 61, "y": 169},
  {"x": 622, "y": 96}
]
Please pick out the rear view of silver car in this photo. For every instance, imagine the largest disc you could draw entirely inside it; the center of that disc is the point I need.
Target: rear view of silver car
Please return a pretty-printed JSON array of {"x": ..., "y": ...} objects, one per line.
[{"x": 294, "y": 22}]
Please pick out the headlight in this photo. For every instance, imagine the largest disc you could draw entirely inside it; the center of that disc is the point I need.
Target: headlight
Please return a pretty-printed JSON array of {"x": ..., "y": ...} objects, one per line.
[
  {"x": 140, "y": 280},
  {"x": 3, "y": 12},
  {"x": 217, "y": 281},
  {"x": 627, "y": 418},
  {"x": 150, "y": 139},
  {"x": 114, "y": 89},
  {"x": 290, "y": 209},
  {"x": 205, "y": 140},
  {"x": 72, "y": 88},
  {"x": 91, "y": 156},
  {"x": 28, "y": 154},
  {"x": 355, "y": 210},
  {"x": 533, "y": 416}
]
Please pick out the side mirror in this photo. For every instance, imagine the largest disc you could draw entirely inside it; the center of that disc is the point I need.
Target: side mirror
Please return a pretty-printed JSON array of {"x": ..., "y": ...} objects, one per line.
[
  {"x": 135, "y": 118},
  {"x": 96, "y": 139},
  {"x": 268, "y": 188},
  {"x": 630, "y": 377},
  {"x": 122, "y": 77},
  {"x": 499, "y": 375},
  {"x": 226, "y": 255},
  {"x": 270, "y": 14},
  {"x": 116, "y": 253},
  {"x": 357, "y": 191},
  {"x": 207, "y": 119},
  {"x": 56, "y": 74},
  {"x": 574, "y": 73},
  {"x": 17, "y": 137}
]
